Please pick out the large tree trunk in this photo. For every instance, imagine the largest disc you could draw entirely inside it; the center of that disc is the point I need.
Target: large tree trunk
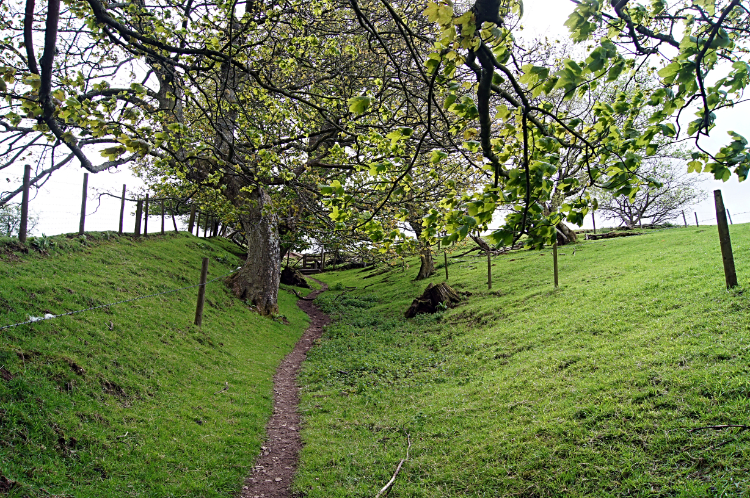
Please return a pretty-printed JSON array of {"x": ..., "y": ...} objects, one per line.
[
  {"x": 565, "y": 235},
  {"x": 427, "y": 266},
  {"x": 258, "y": 280},
  {"x": 481, "y": 243}
]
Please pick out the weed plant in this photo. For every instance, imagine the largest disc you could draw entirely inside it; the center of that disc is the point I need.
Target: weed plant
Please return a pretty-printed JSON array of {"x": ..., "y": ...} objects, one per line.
[{"x": 602, "y": 387}]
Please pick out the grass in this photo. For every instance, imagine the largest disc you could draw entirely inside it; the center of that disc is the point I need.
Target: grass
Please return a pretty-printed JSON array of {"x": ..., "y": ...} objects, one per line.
[
  {"x": 591, "y": 389},
  {"x": 128, "y": 400}
]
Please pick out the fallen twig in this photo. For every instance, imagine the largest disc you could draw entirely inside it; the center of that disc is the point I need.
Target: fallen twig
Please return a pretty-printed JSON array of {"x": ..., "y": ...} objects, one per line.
[
  {"x": 720, "y": 427},
  {"x": 225, "y": 388},
  {"x": 301, "y": 297},
  {"x": 398, "y": 469}
]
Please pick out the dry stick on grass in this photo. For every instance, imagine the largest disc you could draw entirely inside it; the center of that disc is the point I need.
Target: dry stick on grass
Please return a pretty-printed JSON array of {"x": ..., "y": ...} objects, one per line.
[
  {"x": 302, "y": 297},
  {"x": 398, "y": 469},
  {"x": 720, "y": 427}
]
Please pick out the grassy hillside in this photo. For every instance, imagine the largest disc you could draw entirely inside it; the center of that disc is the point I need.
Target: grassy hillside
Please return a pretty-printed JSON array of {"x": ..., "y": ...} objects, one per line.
[
  {"x": 130, "y": 400},
  {"x": 598, "y": 388}
]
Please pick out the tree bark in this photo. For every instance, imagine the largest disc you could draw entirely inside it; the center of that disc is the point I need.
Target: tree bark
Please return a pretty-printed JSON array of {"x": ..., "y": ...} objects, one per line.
[
  {"x": 427, "y": 266},
  {"x": 481, "y": 243},
  {"x": 258, "y": 280},
  {"x": 565, "y": 235}
]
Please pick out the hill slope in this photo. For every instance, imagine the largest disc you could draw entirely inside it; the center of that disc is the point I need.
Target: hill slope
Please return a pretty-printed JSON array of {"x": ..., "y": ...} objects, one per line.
[
  {"x": 132, "y": 400},
  {"x": 603, "y": 387}
]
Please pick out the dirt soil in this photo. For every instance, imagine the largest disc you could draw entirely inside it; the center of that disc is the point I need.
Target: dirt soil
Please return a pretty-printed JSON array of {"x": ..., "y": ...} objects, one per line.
[{"x": 276, "y": 465}]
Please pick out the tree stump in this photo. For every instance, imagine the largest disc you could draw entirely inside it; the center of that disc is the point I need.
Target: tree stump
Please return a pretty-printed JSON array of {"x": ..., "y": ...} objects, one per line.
[
  {"x": 433, "y": 296},
  {"x": 290, "y": 276}
]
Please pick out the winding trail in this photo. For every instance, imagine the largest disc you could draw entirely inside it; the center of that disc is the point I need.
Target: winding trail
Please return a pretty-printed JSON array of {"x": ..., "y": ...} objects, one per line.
[{"x": 275, "y": 467}]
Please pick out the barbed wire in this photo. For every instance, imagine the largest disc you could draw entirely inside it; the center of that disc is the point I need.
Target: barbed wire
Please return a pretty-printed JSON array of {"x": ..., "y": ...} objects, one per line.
[{"x": 48, "y": 317}]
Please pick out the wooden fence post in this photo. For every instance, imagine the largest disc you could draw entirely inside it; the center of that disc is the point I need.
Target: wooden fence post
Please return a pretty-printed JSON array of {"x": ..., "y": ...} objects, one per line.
[
  {"x": 201, "y": 293},
  {"x": 122, "y": 209},
  {"x": 489, "y": 270},
  {"x": 554, "y": 258},
  {"x": 82, "y": 224},
  {"x": 191, "y": 221},
  {"x": 24, "y": 204},
  {"x": 730, "y": 217},
  {"x": 145, "y": 218},
  {"x": 162, "y": 216},
  {"x": 726, "y": 244},
  {"x": 138, "y": 214},
  {"x": 696, "y": 219},
  {"x": 684, "y": 220},
  {"x": 445, "y": 255},
  {"x": 593, "y": 220}
]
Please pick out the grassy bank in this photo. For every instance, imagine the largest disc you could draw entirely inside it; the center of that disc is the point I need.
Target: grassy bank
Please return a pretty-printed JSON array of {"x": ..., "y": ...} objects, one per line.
[
  {"x": 132, "y": 400},
  {"x": 598, "y": 388}
]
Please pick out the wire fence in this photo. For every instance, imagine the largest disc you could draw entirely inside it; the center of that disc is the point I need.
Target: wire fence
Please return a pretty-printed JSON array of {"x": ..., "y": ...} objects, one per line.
[
  {"x": 101, "y": 210},
  {"x": 51, "y": 316}
]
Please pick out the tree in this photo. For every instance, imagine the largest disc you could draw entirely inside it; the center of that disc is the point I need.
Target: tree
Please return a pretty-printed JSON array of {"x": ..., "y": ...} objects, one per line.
[
  {"x": 678, "y": 190},
  {"x": 10, "y": 220}
]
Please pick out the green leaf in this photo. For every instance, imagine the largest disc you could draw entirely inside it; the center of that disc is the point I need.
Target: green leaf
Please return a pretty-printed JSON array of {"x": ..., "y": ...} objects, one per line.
[
  {"x": 359, "y": 105},
  {"x": 616, "y": 70},
  {"x": 437, "y": 156}
]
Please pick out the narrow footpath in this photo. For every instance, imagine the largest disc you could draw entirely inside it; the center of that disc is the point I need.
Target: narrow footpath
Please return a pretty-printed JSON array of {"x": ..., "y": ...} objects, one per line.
[{"x": 275, "y": 467}]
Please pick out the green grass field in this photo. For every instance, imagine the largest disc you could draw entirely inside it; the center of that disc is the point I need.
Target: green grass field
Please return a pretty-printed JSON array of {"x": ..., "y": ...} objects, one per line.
[
  {"x": 128, "y": 400},
  {"x": 588, "y": 390}
]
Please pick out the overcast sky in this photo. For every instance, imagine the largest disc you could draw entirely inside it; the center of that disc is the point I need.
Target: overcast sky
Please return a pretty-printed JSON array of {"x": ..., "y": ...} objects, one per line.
[{"x": 58, "y": 203}]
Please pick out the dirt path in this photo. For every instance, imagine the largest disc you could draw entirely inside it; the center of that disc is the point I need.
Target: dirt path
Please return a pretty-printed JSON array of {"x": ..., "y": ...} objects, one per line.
[{"x": 275, "y": 468}]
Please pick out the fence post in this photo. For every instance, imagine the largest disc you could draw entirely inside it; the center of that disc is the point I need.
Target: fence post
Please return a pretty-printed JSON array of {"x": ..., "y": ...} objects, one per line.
[
  {"x": 138, "y": 213},
  {"x": 724, "y": 241},
  {"x": 24, "y": 204},
  {"x": 489, "y": 270},
  {"x": 445, "y": 254},
  {"x": 174, "y": 221},
  {"x": 162, "y": 216},
  {"x": 554, "y": 259},
  {"x": 201, "y": 293},
  {"x": 122, "y": 209},
  {"x": 593, "y": 219},
  {"x": 191, "y": 222},
  {"x": 82, "y": 224},
  {"x": 145, "y": 218},
  {"x": 684, "y": 220},
  {"x": 730, "y": 217},
  {"x": 696, "y": 219}
]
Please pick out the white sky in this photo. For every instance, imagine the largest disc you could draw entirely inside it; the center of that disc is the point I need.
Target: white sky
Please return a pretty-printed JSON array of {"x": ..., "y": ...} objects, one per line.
[{"x": 58, "y": 204}]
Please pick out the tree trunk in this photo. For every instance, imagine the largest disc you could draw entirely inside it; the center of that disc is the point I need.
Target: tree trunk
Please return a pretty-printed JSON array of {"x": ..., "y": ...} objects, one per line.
[
  {"x": 427, "y": 267},
  {"x": 565, "y": 235},
  {"x": 481, "y": 243},
  {"x": 258, "y": 280}
]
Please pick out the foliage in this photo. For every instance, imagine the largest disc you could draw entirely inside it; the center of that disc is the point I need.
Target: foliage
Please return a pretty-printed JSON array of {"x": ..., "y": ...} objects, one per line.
[
  {"x": 658, "y": 204},
  {"x": 588, "y": 390},
  {"x": 10, "y": 220},
  {"x": 123, "y": 401}
]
